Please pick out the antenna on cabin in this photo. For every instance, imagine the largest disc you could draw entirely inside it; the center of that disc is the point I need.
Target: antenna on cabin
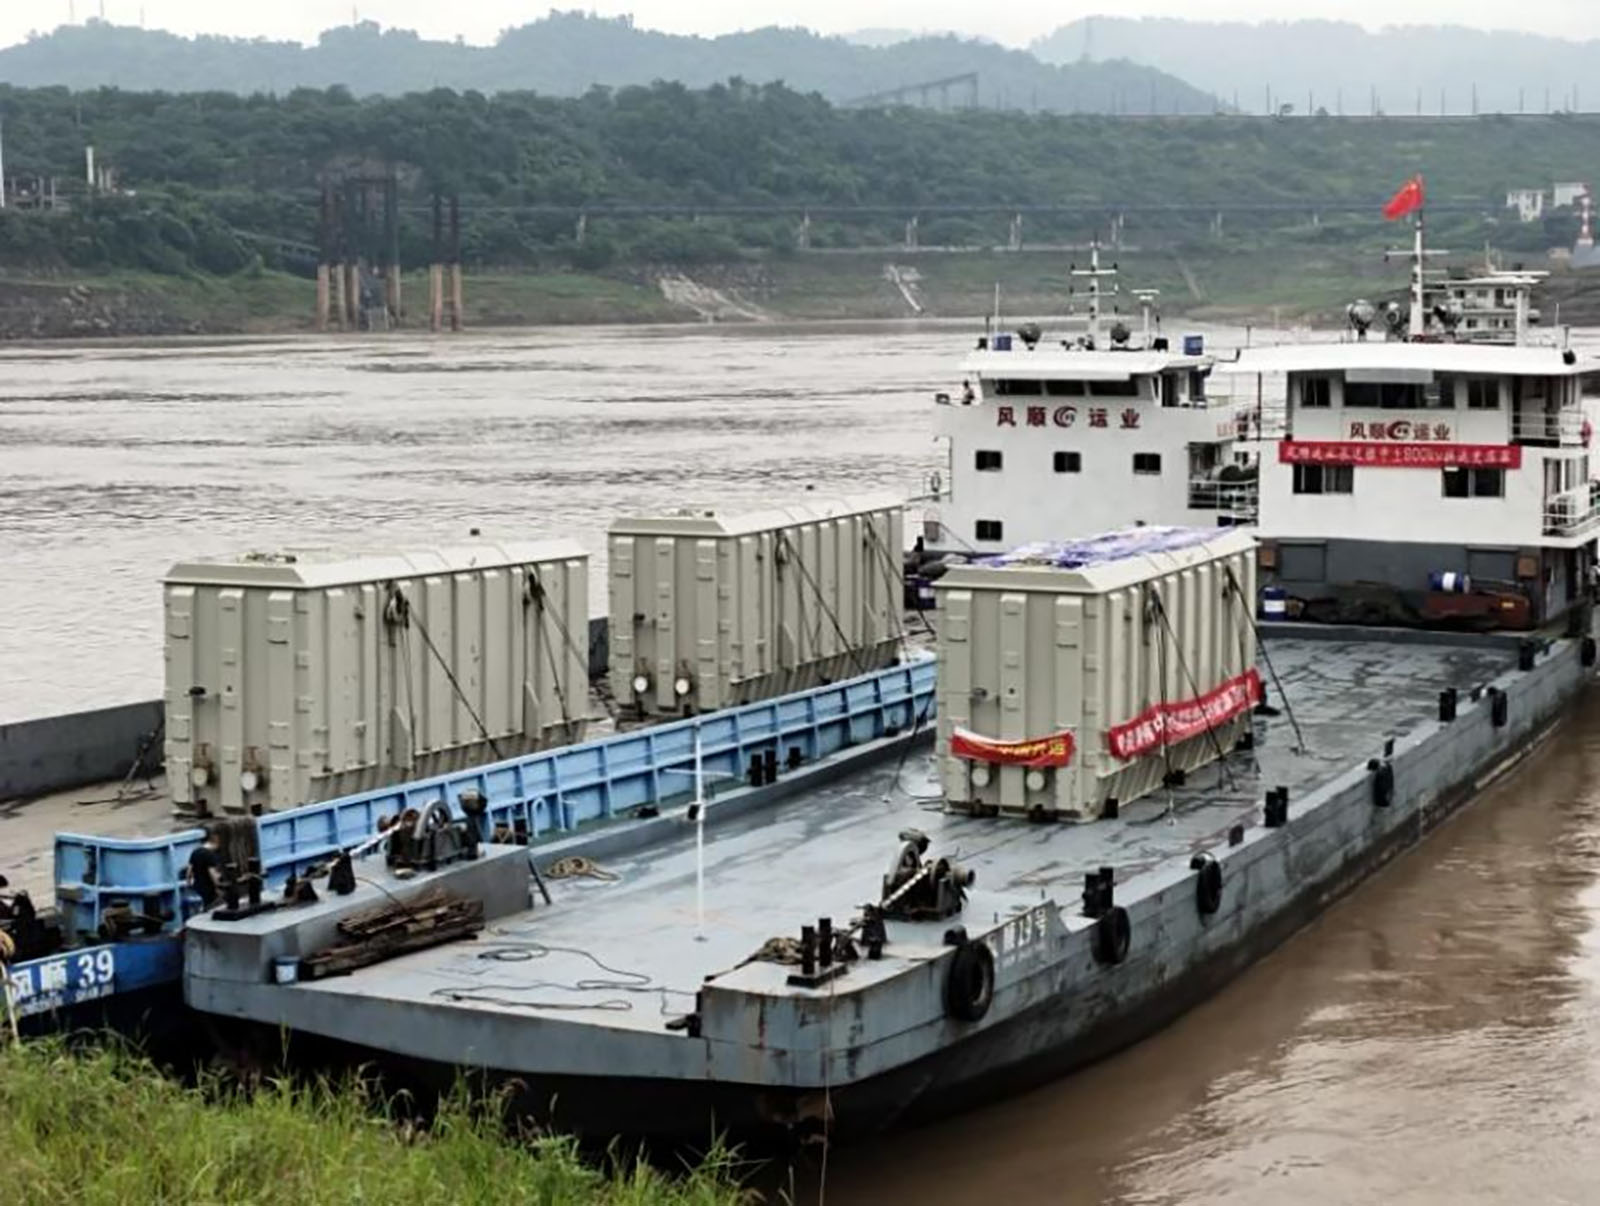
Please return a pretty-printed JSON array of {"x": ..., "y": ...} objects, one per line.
[{"x": 1094, "y": 272}]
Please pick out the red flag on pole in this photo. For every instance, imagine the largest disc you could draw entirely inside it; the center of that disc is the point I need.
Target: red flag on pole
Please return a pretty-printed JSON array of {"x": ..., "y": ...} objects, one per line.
[{"x": 1407, "y": 200}]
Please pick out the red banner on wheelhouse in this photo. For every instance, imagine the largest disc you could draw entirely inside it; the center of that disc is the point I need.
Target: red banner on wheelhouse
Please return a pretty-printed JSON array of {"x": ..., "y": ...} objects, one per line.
[{"x": 1178, "y": 720}]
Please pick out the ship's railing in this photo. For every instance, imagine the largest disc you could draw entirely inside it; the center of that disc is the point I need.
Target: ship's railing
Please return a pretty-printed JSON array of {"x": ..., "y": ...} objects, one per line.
[
  {"x": 534, "y": 797},
  {"x": 1533, "y": 424},
  {"x": 1238, "y": 501},
  {"x": 1573, "y": 512}
]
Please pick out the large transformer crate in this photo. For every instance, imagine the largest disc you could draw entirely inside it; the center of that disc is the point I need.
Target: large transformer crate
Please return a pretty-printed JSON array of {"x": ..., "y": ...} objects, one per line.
[
  {"x": 1073, "y": 674},
  {"x": 296, "y": 677},
  {"x": 710, "y": 610}
]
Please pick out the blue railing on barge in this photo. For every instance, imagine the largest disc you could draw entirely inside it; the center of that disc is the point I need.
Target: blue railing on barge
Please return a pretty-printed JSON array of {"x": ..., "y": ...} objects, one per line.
[{"x": 551, "y": 793}]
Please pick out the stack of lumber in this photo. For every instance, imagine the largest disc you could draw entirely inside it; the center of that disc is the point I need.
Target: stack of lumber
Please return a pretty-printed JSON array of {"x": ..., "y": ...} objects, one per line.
[{"x": 395, "y": 928}]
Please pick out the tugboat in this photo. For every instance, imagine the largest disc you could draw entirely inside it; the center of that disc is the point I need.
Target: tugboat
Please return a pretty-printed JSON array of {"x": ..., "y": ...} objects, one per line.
[
  {"x": 1056, "y": 435},
  {"x": 1443, "y": 475}
]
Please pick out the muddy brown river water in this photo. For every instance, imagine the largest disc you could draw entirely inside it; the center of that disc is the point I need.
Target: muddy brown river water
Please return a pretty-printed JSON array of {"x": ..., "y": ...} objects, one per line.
[{"x": 1434, "y": 1038}]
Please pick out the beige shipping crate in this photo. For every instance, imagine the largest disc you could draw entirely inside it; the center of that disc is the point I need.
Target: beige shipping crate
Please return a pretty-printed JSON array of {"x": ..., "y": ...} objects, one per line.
[
  {"x": 1077, "y": 673},
  {"x": 710, "y": 610},
  {"x": 301, "y": 676}
]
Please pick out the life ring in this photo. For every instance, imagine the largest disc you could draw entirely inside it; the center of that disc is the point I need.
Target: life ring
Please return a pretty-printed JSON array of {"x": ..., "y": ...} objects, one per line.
[
  {"x": 969, "y": 986},
  {"x": 1207, "y": 884},
  {"x": 1113, "y": 934},
  {"x": 1383, "y": 784}
]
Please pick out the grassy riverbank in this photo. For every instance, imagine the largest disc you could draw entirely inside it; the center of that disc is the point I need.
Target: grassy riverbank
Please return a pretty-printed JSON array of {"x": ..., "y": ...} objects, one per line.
[
  {"x": 1309, "y": 280},
  {"x": 101, "y": 1127}
]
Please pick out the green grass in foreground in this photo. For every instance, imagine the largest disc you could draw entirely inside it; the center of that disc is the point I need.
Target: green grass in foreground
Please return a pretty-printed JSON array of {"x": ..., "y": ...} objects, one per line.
[{"x": 102, "y": 1126}]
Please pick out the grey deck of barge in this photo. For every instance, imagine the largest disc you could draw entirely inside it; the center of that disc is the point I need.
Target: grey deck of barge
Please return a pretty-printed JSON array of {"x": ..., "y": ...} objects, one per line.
[
  {"x": 623, "y": 953},
  {"x": 28, "y": 827}
]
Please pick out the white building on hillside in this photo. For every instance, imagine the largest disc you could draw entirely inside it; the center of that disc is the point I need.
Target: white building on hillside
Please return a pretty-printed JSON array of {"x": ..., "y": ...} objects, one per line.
[
  {"x": 1528, "y": 202},
  {"x": 1565, "y": 195}
]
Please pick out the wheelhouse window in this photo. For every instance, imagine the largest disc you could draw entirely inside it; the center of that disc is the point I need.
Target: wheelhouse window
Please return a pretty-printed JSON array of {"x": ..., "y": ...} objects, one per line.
[
  {"x": 1147, "y": 462},
  {"x": 1324, "y": 479},
  {"x": 988, "y": 460},
  {"x": 1483, "y": 393},
  {"x": 1386, "y": 395},
  {"x": 989, "y": 529},
  {"x": 1316, "y": 393},
  {"x": 1114, "y": 389},
  {"x": 1474, "y": 483},
  {"x": 1064, "y": 389},
  {"x": 1069, "y": 462},
  {"x": 1018, "y": 387}
]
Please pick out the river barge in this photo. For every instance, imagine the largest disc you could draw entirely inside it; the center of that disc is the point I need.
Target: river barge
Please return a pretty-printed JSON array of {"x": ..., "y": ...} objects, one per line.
[{"x": 793, "y": 986}]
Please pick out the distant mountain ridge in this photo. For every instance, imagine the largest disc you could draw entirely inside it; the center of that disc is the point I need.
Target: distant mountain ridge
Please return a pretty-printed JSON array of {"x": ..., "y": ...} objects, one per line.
[
  {"x": 565, "y": 54},
  {"x": 1336, "y": 65}
]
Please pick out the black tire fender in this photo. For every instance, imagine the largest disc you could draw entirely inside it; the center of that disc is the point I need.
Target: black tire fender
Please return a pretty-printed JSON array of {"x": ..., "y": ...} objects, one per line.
[
  {"x": 1383, "y": 784},
  {"x": 969, "y": 985},
  {"x": 1207, "y": 884},
  {"x": 1113, "y": 935}
]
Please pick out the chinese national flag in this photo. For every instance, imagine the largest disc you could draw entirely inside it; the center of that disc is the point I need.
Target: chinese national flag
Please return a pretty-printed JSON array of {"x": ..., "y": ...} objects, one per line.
[{"x": 1407, "y": 200}]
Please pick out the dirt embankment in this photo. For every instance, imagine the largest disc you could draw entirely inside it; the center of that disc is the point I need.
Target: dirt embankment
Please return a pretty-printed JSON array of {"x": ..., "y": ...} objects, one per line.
[{"x": 68, "y": 310}]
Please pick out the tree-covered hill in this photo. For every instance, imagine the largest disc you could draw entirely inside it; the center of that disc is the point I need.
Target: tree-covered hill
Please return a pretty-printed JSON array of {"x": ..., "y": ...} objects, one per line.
[
  {"x": 193, "y": 167},
  {"x": 565, "y": 54}
]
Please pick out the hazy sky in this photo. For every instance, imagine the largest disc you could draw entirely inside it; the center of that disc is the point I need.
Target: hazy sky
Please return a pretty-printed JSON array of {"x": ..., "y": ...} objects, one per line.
[{"x": 1014, "y": 23}]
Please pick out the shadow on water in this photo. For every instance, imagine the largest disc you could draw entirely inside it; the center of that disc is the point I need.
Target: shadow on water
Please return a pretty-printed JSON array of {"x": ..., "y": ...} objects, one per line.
[{"x": 1430, "y": 1038}]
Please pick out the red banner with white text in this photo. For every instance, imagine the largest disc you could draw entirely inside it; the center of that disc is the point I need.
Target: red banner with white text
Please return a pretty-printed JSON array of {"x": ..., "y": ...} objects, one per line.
[
  {"x": 1175, "y": 721},
  {"x": 1400, "y": 456},
  {"x": 1054, "y": 750}
]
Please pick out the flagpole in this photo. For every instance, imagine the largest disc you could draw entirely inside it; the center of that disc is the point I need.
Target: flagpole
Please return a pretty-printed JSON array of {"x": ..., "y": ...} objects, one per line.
[{"x": 1417, "y": 314}]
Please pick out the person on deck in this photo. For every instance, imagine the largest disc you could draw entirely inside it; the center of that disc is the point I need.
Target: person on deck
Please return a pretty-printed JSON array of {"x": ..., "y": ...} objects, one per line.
[{"x": 204, "y": 865}]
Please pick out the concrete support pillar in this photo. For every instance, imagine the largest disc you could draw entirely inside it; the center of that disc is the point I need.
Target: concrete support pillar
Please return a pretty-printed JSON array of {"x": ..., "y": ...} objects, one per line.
[
  {"x": 582, "y": 232},
  {"x": 911, "y": 233},
  {"x": 1014, "y": 238},
  {"x": 322, "y": 297},
  {"x": 352, "y": 294},
  {"x": 336, "y": 294},
  {"x": 802, "y": 238},
  {"x": 435, "y": 297}
]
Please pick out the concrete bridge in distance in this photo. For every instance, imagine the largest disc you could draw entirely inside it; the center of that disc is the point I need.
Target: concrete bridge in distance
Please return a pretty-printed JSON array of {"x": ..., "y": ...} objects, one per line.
[{"x": 1113, "y": 213}]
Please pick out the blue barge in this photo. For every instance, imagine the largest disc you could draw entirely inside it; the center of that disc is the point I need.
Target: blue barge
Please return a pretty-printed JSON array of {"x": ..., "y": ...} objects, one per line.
[{"x": 536, "y": 799}]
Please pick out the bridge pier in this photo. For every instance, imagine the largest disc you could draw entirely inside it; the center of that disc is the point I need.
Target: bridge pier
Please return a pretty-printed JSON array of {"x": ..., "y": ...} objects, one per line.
[
  {"x": 1216, "y": 225},
  {"x": 911, "y": 233},
  {"x": 322, "y": 296},
  {"x": 1116, "y": 230},
  {"x": 1014, "y": 238},
  {"x": 802, "y": 236},
  {"x": 582, "y": 231}
]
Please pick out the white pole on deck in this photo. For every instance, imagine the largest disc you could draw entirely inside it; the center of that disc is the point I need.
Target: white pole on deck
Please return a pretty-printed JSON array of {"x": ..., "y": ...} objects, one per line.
[
  {"x": 699, "y": 842},
  {"x": 1416, "y": 327}
]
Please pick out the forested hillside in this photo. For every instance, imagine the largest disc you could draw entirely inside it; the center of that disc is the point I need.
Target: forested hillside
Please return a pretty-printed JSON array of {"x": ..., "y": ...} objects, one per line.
[
  {"x": 195, "y": 169},
  {"x": 565, "y": 54}
]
